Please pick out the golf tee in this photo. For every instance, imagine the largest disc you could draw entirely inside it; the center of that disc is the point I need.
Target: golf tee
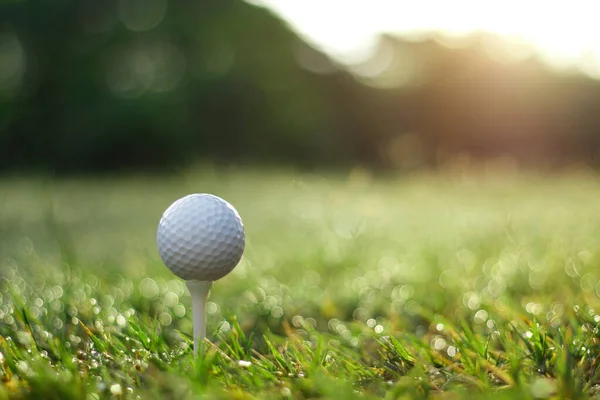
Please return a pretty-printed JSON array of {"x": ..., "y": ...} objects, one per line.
[{"x": 199, "y": 291}]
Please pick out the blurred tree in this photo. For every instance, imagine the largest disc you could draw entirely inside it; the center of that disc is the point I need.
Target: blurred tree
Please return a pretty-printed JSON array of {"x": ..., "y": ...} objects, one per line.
[
  {"x": 131, "y": 83},
  {"x": 100, "y": 85},
  {"x": 448, "y": 102}
]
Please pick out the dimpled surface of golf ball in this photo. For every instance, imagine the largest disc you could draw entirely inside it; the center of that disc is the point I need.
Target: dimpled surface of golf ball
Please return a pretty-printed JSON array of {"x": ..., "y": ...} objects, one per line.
[{"x": 201, "y": 237}]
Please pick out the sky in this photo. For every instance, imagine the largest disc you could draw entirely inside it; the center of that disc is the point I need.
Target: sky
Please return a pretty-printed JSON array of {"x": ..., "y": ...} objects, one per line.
[{"x": 566, "y": 33}]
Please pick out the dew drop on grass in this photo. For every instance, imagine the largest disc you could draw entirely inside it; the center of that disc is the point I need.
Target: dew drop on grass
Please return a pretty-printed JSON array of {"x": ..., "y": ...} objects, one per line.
[
  {"x": 116, "y": 390},
  {"x": 35, "y": 312},
  {"x": 277, "y": 312},
  {"x": 171, "y": 299},
  {"x": 311, "y": 322},
  {"x": 480, "y": 316},
  {"x": 224, "y": 327},
  {"x": 149, "y": 288},
  {"x": 121, "y": 320},
  {"x": 438, "y": 343},
  {"x": 24, "y": 338},
  {"x": 179, "y": 310},
  {"x": 212, "y": 308},
  {"x": 452, "y": 351},
  {"x": 472, "y": 300},
  {"x": 22, "y": 367},
  {"x": 165, "y": 319},
  {"x": 297, "y": 321}
]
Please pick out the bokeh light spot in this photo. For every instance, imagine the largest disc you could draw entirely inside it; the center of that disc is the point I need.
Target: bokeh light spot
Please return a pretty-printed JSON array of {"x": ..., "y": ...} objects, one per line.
[
  {"x": 142, "y": 15},
  {"x": 12, "y": 64}
]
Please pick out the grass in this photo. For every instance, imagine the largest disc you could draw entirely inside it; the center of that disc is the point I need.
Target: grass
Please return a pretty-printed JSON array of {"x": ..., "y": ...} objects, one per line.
[{"x": 350, "y": 287}]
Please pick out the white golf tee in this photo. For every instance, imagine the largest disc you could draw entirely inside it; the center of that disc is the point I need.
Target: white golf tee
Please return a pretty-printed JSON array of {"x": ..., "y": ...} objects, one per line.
[{"x": 199, "y": 291}]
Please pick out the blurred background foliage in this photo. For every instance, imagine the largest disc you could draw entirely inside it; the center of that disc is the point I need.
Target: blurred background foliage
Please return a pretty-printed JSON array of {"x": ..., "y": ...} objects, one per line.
[{"x": 88, "y": 85}]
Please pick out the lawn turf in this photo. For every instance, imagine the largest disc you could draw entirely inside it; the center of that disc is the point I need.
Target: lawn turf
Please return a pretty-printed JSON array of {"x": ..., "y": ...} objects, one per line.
[{"x": 445, "y": 287}]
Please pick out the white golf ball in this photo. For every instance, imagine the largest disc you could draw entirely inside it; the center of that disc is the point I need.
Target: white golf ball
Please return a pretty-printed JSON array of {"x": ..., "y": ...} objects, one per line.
[{"x": 201, "y": 237}]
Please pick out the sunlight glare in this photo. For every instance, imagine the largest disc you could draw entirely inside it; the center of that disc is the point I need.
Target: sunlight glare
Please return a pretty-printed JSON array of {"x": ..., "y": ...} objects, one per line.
[{"x": 564, "y": 33}]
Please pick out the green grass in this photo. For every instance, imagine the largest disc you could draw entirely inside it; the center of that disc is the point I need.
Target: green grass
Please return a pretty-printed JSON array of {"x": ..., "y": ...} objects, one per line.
[{"x": 350, "y": 287}]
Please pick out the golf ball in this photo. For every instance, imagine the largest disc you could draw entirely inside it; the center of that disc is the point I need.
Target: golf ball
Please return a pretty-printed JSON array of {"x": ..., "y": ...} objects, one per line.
[{"x": 201, "y": 237}]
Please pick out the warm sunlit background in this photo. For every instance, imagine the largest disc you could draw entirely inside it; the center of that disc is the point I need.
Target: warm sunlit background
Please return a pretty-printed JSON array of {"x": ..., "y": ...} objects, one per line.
[
  {"x": 384, "y": 84},
  {"x": 565, "y": 33}
]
